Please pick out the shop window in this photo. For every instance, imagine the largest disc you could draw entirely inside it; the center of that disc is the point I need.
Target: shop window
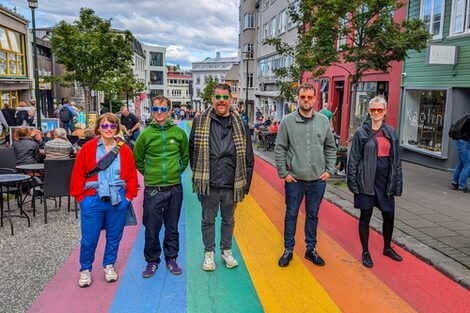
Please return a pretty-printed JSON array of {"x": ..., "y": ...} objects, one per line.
[
  {"x": 365, "y": 92},
  {"x": 12, "y": 61},
  {"x": 10, "y": 97},
  {"x": 423, "y": 120},
  {"x": 3, "y": 63}
]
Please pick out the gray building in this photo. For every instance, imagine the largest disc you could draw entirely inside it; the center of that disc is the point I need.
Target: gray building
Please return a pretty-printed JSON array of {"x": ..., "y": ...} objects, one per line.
[{"x": 216, "y": 67}]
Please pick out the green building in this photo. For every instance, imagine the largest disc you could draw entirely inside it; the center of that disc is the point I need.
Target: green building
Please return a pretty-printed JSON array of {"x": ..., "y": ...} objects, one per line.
[{"x": 436, "y": 83}]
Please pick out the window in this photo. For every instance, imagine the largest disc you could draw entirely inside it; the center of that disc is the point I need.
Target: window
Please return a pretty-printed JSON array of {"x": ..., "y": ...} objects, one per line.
[
  {"x": 460, "y": 21},
  {"x": 266, "y": 30},
  {"x": 249, "y": 20},
  {"x": 248, "y": 47},
  {"x": 198, "y": 79},
  {"x": 156, "y": 59},
  {"x": 234, "y": 87},
  {"x": 282, "y": 22},
  {"x": 432, "y": 13},
  {"x": 156, "y": 77},
  {"x": 273, "y": 27},
  {"x": 423, "y": 120},
  {"x": 250, "y": 80},
  {"x": 341, "y": 38},
  {"x": 12, "y": 57}
]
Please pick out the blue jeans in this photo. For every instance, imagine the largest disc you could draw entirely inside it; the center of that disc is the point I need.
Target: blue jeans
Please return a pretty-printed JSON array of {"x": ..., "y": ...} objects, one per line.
[
  {"x": 462, "y": 169},
  {"x": 135, "y": 134},
  {"x": 69, "y": 125},
  {"x": 93, "y": 212},
  {"x": 295, "y": 191}
]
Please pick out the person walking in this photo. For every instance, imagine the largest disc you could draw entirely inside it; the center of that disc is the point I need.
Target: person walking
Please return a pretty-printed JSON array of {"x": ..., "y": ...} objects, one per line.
[
  {"x": 305, "y": 155},
  {"x": 161, "y": 154},
  {"x": 222, "y": 161},
  {"x": 462, "y": 169},
  {"x": 131, "y": 122},
  {"x": 66, "y": 115},
  {"x": 375, "y": 176},
  {"x": 104, "y": 194}
]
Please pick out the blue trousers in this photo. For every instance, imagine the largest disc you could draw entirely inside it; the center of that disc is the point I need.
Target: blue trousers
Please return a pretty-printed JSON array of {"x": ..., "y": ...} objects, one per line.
[
  {"x": 94, "y": 212},
  {"x": 462, "y": 169},
  {"x": 295, "y": 192}
]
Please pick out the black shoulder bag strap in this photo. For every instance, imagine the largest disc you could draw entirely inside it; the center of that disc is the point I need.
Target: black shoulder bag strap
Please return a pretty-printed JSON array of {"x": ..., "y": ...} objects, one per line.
[{"x": 106, "y": 160}]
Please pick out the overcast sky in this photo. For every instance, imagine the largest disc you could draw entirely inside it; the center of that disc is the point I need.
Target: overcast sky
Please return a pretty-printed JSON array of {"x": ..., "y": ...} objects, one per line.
[{"x": 191, "y": 30}]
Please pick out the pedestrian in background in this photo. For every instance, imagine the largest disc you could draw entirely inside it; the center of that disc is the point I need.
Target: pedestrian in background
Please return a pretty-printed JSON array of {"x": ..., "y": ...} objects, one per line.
[
  {"x": 161, "y": 154},
  {"x": 375, "y": 176},
  {"x": 462, "y": 144},
  {"x": 305, "y": 155},
  {"x": 104, "y": 195},
  {"x": 222, "y": 160},
  {"x": 131, "y": 122},
  {"x": 9, "y": 114}
]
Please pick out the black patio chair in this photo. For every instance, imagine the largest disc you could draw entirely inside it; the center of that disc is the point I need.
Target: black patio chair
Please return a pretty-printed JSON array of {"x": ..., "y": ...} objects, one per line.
[
  {"x": 7, "y": 158},
  {"x": 56, "y": 183}
]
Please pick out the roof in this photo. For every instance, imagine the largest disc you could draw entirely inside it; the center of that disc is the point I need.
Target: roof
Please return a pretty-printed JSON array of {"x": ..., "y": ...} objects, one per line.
[
  {"x": 173, "y": 75},
  {"x": 234, "y": 73},
  {"x": 13, "y": 14},
  {"x": 220, "y": 60}
]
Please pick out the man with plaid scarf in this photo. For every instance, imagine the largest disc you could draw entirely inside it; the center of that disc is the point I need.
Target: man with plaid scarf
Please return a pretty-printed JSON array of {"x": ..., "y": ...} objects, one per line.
[{"x": 221, "y": 157}]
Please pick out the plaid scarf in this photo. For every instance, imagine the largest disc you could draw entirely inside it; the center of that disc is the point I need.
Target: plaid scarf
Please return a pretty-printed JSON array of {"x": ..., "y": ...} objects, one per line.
[{"x": 201, "y": 172}]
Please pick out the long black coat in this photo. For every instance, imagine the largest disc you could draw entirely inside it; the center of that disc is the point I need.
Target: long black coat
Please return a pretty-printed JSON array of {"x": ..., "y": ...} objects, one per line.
[{"x": 362, "y": 162}]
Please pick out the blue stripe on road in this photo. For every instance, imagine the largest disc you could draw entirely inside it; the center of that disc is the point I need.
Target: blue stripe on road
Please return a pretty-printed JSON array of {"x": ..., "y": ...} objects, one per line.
[{"x": 163, "y": 292}]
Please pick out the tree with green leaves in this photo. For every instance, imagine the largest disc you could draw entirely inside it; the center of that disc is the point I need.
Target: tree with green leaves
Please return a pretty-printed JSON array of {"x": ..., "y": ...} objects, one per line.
[
  {"x": 373, "y": 38},
  {"x": 91, "y": 51},
  {"x": 208, "y": 91}
]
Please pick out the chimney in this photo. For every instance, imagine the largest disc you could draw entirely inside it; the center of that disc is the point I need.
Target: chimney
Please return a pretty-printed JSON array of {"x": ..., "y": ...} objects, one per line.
[{"x": 217, "y": 55}]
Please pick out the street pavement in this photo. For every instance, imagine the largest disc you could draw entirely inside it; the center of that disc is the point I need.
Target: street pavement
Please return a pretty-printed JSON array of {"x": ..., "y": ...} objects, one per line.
[{"x": 431, "y": 221}]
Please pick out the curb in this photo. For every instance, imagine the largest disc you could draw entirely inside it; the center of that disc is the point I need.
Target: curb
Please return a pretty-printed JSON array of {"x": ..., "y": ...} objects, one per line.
[{"x": 444, "y": 264}]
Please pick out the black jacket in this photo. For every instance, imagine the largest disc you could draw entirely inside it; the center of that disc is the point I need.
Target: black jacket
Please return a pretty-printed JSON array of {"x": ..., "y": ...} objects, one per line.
[
  {"x": 26, "y": 151},
  {"x": 223, "y": 155},
  {"x": 362, "y": 162}
]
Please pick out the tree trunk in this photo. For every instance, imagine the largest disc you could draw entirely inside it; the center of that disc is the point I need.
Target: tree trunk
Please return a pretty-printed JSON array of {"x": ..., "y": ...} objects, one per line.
[{"x": 110, "y": 105}]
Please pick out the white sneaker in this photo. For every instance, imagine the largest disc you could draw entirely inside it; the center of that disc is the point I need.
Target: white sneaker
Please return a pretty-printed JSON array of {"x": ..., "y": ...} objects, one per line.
[
  {"x": 209, "y": 262},
  {"x": 229, "y": 260},
  {"x": 109, "y": 274},
  {"x": 85, "y": 279}
]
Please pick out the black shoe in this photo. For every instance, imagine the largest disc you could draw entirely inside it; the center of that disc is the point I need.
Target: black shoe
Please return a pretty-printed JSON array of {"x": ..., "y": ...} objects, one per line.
[
  {"x": 312, "y": 255},
  {"x": 392, "y": 254},
  {"x": 464, "y": 190},
  {"x": 285, "y": 258},
  {"x": 366, "y": 260},
  {"x": 454, "y": 186}
]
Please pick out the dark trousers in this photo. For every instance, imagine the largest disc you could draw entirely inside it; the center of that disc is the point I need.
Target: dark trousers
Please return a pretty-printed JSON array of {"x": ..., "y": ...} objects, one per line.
[
  {"x": 223, "y": 198},
  {"x": 295, "y": 191},
  {"x": 162, "y": 208}
]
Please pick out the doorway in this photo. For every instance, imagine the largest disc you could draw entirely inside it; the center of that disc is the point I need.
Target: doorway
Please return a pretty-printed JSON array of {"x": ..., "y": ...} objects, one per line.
[{"x": 339, "y": 89}]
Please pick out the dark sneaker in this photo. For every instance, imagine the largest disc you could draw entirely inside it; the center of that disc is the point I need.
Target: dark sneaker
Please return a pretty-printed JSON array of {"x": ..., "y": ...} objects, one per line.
[
  {"x": 454, "y": 186},
  {"x": 285, "y": 258},
  {"x": 150, "y": 269},
  {"x": 392, "y": 254},
  {"x": 366, "y": 260},
  {"x": 174, "y": 268},
  {"x": 313, "y": 256},
  {"x": 464, "y": 190}
]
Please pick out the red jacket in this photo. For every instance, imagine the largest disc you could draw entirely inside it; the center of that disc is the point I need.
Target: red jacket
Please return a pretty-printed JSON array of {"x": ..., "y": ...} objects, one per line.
[{"x": 86, "y": 161}]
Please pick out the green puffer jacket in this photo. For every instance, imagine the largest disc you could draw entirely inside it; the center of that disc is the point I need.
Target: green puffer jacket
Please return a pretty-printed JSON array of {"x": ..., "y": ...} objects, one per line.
[{"x": 161, "y": 154}]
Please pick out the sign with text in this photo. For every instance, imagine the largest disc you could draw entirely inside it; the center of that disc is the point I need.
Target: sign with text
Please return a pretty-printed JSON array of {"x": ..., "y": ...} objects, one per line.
[{"x": 444, "y": 55}]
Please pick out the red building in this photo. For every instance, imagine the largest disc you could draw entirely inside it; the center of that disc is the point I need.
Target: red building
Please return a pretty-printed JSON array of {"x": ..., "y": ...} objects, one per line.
[{"x": 334, "y": 87}]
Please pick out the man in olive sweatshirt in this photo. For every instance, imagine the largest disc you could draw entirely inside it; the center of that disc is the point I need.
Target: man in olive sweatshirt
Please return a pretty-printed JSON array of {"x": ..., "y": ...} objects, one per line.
[
  {"x": 305, "y": 156},
  {"x": 161, "y": 154}
]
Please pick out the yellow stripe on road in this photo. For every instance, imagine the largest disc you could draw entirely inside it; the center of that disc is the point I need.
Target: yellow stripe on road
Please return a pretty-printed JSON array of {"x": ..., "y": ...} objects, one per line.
[{"x": 289, "y": 289}]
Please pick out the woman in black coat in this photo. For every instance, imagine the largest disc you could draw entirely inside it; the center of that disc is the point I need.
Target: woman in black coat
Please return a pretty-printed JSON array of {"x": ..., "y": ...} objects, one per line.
[{"x": 375, "y": 176}]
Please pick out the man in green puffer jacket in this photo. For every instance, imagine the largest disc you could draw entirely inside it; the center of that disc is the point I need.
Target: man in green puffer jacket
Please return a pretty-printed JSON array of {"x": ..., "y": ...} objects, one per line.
[{"x": 161, "y": 154}]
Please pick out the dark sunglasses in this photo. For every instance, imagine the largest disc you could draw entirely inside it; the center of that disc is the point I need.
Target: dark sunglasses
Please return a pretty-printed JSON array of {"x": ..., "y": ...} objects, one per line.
[
  {"x": 160, "y": 109},
  {"x": 378, "y": 111},
  {"x": 218, "y": 97},
  {"x": 306, "y": 97},
  {"x": 108, "y": 126}
]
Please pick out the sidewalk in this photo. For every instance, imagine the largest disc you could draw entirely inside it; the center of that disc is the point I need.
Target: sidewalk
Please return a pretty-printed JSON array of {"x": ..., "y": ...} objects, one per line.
[{"x": 431, "y": 221}]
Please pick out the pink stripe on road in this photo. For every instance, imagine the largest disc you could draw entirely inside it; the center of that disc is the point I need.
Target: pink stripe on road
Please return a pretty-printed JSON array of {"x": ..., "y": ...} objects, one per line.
[{"x": 62, "y": 294}]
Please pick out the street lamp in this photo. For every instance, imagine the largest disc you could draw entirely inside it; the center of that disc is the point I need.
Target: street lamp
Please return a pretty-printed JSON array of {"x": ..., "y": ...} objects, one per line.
[
  {"x": 33, "y": 4},
  {"x": 246, "y": 89}
]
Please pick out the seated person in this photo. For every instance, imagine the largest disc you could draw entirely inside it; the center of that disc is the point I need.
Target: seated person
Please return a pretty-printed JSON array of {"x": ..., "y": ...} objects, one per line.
[
  {"x": 59, "y": 147},
  {"x": 88, "y": 134},
  {"x": 26, "y": 150}
]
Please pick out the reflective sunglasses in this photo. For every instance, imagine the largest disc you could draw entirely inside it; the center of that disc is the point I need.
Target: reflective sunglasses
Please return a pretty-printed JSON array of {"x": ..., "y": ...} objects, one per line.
[
  {"x": 160, "y": 109},
  {"x": 306, "y": 97},
  {"x": 108, "y": 126},
  {"x": 377, "y": 110},
  {"x": 218, "y": 97}
]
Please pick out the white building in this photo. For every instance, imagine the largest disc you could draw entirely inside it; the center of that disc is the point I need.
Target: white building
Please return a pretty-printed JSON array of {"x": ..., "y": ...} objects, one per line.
[
  {"x": 216, "y": 67},
  {"x": 178, "y": 83},
  {"x": 155, "y": 74},
  {"x": 270, "y": 19}
]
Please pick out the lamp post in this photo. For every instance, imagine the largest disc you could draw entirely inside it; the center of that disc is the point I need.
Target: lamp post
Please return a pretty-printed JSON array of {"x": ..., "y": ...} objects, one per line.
[
  {"x": 246, "y": 85},
  {"x": 33, "y": 4}
]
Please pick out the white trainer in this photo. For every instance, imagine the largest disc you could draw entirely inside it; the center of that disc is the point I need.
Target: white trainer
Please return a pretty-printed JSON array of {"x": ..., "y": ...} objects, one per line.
[
  {"x": 229, "y": 260},
  {"x": 109, "y": 274},
  {"x": 209, "y": 261},
  {"x": 85, "y": 279}
]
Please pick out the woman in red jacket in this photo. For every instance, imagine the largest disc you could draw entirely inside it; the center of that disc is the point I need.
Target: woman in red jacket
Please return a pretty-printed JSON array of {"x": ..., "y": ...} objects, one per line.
[{"x": 103, "y": 197}]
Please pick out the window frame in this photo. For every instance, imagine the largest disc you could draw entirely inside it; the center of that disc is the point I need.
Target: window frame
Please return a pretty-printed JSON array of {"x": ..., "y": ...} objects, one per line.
[
  {"x": 431, "y": 22},
  {"x": 249, "y": 16}
]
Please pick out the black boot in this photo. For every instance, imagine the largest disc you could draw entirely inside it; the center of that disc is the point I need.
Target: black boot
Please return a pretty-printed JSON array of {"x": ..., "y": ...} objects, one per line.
[
  {"x": 392, "y": 254},
  {"x": 366, "y": 260},
  {"x": 286, "y": 258}
]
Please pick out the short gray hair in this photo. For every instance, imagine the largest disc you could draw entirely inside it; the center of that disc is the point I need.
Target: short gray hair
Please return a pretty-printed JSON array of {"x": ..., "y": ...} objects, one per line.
[
  {"x": 379, "y": 99},
  {"x": 60, "y": 133}
]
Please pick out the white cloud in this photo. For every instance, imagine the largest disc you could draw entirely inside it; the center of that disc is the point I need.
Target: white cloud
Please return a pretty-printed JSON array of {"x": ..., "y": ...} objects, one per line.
[{"x": 188, "y": 28}]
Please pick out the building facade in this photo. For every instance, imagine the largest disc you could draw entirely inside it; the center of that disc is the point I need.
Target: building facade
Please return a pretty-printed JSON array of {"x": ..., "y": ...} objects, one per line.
[
  {"x": 232, "y": 79},
  {"x": 155, "y": 75},
  {"x": 436, "y": 83},
  {"x": 216, "y": 68},
  {"x": 178, "y": 83},
  {"x": 15, "y": 74}
]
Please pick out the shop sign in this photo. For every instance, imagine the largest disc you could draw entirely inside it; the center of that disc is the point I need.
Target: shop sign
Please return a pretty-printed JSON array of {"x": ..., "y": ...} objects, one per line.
[{"x": 444, "y": 55}]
